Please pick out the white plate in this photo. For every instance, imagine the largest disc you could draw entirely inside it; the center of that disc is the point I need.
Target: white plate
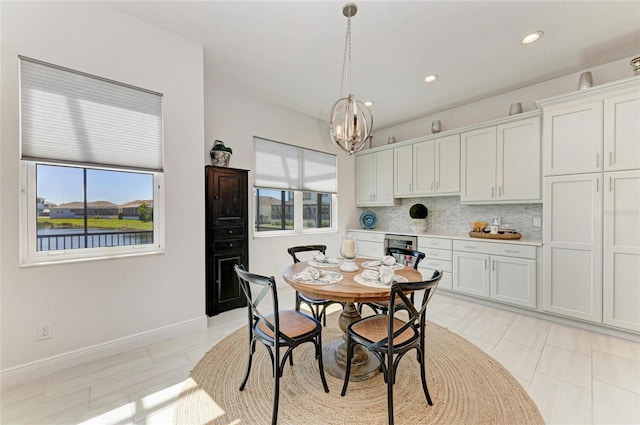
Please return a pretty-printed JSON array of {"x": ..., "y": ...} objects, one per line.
[
  {"x": 375, "y": 283},
  {"x": 315, "y": 263},
  {"x": 371, "y": 265},
  {"x": 326, "y": 278}
]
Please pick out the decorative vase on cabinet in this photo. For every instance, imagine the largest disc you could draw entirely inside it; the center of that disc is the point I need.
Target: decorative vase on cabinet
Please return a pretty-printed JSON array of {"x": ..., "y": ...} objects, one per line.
[{"x": 226, "y": 212}]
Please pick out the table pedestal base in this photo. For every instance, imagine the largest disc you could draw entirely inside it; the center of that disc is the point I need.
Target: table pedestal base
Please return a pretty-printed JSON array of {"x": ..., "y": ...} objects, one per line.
[{"x": 364, "y": 365}]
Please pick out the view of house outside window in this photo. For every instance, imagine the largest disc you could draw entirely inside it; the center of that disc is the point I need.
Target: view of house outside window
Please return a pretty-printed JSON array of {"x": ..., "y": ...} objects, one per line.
[
  {"x": 92, "y": 208},
  {"x": 275, "y": 210}
]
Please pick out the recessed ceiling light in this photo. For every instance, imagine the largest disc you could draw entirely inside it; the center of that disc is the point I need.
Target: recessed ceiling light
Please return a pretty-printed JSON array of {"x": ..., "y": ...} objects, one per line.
[
  {"x": 534, "y": 36},
  {"x": 368, "y": 103},
  {"x": 430, "y": 78}
]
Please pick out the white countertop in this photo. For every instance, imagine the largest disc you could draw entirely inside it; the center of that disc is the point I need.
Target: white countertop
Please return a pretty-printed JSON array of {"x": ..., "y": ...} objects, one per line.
[{"x": 522, "y": 241}]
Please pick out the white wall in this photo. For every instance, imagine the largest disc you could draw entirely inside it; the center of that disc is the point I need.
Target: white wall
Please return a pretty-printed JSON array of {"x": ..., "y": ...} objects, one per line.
[
  {"x": 498, "y": 106},
  {"x": 234, "y": 118},
  {"x": 103, "y": 303}
]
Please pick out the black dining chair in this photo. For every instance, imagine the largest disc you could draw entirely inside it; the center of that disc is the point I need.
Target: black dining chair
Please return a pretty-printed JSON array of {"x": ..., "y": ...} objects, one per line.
[
  {"x": 318, "y": 306},
  {"x": 416, "y": 257},
  {"x": 280, "y": 329},
  {"x": 390, "y": 338}
]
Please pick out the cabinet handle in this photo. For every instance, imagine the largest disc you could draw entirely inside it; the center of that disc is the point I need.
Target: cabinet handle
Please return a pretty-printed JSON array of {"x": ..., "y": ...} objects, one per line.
[
  {"x": 470, "y": 247},
  {"x": 432, "y": 185},
  {"x": 493, "y": 264},
  {"x": 610, "y": 158},
  {"x": 230, "y": 232},
  {"x": 492, "y": 191},
  {"x": 598, "y": 184},
  {"x": 499, "y": 191},
  {"x": 485, "y": 264},
  {"x": 597, "y": 160},
  {"x": 512, "y": 251},
  {"x": 610, "y": 184}
]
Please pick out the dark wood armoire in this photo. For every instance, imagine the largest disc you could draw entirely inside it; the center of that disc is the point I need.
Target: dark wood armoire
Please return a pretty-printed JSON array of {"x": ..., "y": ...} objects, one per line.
[{"x": 227, "y": 243}]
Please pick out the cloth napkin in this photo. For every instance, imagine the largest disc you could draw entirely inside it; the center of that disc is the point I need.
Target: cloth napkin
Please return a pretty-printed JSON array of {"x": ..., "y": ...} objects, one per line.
[
  {"x": 387, "y": 260},
  {"x": 384, "y": 275},
  {"x": 309, "y": 274},
  {"x": 321, "y": 258}
]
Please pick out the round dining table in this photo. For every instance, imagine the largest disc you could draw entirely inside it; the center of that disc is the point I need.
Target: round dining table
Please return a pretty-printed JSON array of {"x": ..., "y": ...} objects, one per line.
[{"x": 364, "y": 365}]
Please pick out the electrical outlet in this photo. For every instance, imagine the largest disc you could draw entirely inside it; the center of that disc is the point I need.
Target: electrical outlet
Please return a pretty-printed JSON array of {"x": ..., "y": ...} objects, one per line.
[
  {"x": 43, "y": 331},
  {"x": 537, "y": 222}
]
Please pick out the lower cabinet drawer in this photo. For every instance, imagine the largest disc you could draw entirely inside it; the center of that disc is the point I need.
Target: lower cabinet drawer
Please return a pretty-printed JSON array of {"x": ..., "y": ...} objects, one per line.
[
  {"x": 370, "y": 249},
  {"x": 429, "y": 263},
  {"x": 438, "y": 254},
  {"x": 366, "y": 236},
  {"x": 237, "y": 244},
  {"x": 496, "y": 248}
]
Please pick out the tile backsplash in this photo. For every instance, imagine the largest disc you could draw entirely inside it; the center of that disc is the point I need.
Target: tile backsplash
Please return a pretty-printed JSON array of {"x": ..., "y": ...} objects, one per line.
[{"x": 448, "y": 216}]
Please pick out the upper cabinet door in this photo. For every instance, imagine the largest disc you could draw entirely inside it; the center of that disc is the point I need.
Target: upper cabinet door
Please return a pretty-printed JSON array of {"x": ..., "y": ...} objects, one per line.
[
  {"x": 384, "y": 178},
  {"x": 365, "y": 173},
  {"x": 423, "y": 173},
  {"x": 403, "y": 171},
  {"x": 478, "y": 162},
  {"x": 572, "y": 134},
  {"x": 447, "y": 164},
  {"x": 518, "y": 169},
  {"x": 622, "y": 132}
]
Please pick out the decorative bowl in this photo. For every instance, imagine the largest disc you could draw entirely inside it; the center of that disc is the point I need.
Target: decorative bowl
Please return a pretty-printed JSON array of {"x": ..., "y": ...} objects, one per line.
[{"x": 368, "y": 219}]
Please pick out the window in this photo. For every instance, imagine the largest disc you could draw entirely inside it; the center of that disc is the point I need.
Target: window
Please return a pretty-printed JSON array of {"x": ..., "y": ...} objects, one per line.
[
  {"x": 91, "y": 166},
  {"x": 294, "y": 189}
]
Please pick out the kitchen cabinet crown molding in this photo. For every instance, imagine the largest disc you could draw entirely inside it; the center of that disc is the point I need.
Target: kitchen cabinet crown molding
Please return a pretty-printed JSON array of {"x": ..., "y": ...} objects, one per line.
[
  {"x": 601, "y": 90},
  {"x": 497, "y": 121}
]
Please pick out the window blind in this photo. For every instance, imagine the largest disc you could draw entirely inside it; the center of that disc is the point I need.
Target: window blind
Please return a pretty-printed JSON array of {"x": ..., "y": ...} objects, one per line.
[
  {"x": 288, "y": 167},
  {"x": 72, "y": 117}
]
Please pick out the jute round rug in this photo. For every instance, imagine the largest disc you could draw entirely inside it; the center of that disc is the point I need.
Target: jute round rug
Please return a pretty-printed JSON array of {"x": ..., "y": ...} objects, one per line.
[{"x": 466, "y": 386}]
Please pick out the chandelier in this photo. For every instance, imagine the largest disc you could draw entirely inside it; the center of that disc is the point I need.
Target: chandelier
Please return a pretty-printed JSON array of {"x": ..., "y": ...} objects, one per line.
[{"x": 351, "y": 121}]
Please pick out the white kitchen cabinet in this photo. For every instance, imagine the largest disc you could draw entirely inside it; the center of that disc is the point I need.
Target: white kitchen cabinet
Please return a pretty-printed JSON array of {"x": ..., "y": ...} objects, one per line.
[
  {"x": 374, "y": 179},
  {"x": 500, "y": 271},
  {"x": 592, "y": 130},
  {"x": 403, "y": 166},
  {"x": 621, "y": 246},
  {"x": 478, "y": 159},
  {"x": 428, "y": 168},
  {"x": 513, "y": 280},
  {"x": 518, "y": 168},
  {"x": 501, "y": 164},
  {"x": 369, "y": 244},
  {"x": 471, "y": 274},
  {"x": 572, "y": 134},
  {"x": 438, "y": 256},
  {"x": 622, "y": 131},
  {"x": 572, "y": 250},
  {"x": 439, "y": 165}
]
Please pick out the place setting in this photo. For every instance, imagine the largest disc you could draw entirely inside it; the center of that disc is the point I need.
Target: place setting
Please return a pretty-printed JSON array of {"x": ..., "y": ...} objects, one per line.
[
  {"x": 387, "y": 260},
  {"x": 321, "y": 260},
  {"x": 384, "y": 276},
  {"x": 312, "y": 276}
]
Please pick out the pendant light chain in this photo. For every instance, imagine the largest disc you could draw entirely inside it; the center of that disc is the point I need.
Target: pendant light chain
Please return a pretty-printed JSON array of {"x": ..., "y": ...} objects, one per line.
[{"x": 351, "y": 121}]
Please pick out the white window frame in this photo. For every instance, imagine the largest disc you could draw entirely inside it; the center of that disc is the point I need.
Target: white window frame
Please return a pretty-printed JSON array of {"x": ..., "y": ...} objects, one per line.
[{"x": 28, "y": 223}]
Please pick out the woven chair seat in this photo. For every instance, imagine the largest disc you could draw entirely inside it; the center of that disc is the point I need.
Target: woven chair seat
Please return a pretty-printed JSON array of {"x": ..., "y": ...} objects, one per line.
[
  {"x": 375, "y": 328},
  {"x": 292, "y": 323}
]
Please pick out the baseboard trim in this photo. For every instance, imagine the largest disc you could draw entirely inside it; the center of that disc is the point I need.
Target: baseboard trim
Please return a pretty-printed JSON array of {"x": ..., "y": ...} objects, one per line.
[{"x": 27, "y": 372}]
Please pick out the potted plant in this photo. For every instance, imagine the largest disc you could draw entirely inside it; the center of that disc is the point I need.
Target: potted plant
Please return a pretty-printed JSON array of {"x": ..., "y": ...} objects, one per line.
[
  {"x": 419, "y": 213},
  {"x": 220, "y": 154}
]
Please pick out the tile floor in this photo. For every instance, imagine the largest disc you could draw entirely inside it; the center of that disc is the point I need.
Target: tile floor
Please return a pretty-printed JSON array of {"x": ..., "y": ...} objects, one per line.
[{"x": 574, "y": 376}]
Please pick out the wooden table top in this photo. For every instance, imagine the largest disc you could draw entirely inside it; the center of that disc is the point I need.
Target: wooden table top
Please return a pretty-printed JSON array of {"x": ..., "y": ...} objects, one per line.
[{"x": 347, "y": 290}]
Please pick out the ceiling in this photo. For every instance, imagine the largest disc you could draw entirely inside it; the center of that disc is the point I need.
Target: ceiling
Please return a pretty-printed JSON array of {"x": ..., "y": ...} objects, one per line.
[{"x": 291, "y": 53}]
